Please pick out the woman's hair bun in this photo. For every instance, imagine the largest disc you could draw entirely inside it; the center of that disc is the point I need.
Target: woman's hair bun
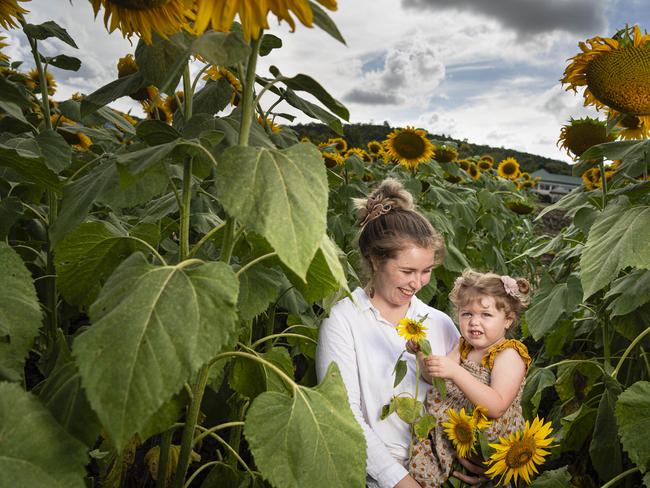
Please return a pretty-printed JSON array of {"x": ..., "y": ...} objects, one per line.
[
  {"x": 523, "y": 285},
  {"x": 390, "y": 195}
]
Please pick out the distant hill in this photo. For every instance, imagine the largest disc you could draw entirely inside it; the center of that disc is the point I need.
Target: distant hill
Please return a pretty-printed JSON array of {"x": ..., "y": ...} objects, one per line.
[{"x": 358, "y": 135}]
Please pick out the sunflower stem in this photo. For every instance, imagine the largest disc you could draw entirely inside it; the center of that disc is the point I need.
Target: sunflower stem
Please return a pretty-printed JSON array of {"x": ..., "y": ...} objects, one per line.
[
  {"x": 165, "y": 444},
  {"x": 185, "y": 209},
  {"x": 603, "y": 180},
  {"x": 187, "y": 93},
  {"x": 247, "y": 93},
  {"x": 618, "y": 478},
  {"x": 629, "y": 350}
]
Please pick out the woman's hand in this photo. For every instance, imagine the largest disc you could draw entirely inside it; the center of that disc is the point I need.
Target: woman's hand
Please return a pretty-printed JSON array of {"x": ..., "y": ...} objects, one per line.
[
  {"x": 441, "y": 367},
  {"x": 474, "y": 481},
  {"x": 408, "y": 482}
]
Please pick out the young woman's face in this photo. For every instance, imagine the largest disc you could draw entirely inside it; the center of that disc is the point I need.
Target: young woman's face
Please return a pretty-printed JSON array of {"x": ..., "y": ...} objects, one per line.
[
  {"x": 482, "y": 324},
  {"x": 396, "y": 280}
]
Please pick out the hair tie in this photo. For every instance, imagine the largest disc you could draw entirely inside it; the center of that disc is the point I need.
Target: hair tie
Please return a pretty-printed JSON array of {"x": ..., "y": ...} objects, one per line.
[
  {"x": 510, "y": 285},
  {"x": 375, "y": 208}
]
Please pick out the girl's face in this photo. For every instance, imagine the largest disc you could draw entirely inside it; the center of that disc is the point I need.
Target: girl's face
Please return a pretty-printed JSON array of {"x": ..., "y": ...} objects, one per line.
[
  {"x": 482, "y": 324},
  {"x": 396, "y": 280}
]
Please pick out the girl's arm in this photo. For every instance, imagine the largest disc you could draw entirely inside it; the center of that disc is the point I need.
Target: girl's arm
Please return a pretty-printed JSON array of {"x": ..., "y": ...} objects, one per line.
[
  {"x": 453, "y": 355},
  {"x": 507, "y": 375}
]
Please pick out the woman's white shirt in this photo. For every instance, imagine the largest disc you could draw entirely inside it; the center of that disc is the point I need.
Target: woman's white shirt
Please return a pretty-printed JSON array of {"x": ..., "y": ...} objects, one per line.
[{"x": 365, "y": 347}]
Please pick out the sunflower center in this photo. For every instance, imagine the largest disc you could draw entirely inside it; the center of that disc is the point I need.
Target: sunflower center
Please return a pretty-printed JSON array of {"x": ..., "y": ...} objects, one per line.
[
  {"x": 463, "y": 433},
  {"x": 509, "y": 169},
  {"x": 412, "y": 328},
  {"x": 409, "y": 145},
  {"x": 621, "y": 79},
  {"x": 520, "y": 453},
  {"x": 139, "y": 4}
]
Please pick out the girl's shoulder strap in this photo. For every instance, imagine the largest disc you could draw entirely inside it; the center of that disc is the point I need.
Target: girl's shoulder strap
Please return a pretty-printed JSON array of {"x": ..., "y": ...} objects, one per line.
[
  {"x": 464, "y": 347},
  {"x": 488, "y": 359}
]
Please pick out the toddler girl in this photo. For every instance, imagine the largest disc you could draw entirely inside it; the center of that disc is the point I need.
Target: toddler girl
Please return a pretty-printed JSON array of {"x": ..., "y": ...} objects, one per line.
[{"x": 485, "y": 369}]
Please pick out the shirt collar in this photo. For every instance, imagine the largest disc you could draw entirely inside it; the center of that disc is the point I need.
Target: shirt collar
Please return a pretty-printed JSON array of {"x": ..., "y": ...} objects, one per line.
[{"x": 363, "y": 302}]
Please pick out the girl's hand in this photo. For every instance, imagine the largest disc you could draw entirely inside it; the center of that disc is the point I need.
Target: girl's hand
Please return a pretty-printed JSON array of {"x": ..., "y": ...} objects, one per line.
[
  {"x": 441, "y": 366},
  {"x": 412, "y": 347}
]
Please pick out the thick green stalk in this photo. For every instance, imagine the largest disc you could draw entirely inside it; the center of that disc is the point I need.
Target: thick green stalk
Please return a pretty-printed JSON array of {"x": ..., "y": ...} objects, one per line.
[
  {"x": 188, "y": 94},
  {"x": 618, "y": 478},
  {"x": 163, "y": 460},
  {"x": 186, "y": 209},
  {"x": 628, "y": 350},
  {"x": 247, "y": 94},
  {"x": 603, "y": 181}
]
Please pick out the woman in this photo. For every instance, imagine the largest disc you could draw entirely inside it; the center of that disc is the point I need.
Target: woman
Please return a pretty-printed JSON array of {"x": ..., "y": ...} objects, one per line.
[{"x": 400, "y": 248}]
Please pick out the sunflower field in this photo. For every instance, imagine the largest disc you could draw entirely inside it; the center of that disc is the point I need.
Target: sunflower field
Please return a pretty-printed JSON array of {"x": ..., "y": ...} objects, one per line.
[{"x": 164, "y": 276}]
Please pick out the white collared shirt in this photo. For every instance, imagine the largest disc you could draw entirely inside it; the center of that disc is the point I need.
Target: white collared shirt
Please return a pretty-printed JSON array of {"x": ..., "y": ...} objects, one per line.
[{"x": 365, "y": 347}]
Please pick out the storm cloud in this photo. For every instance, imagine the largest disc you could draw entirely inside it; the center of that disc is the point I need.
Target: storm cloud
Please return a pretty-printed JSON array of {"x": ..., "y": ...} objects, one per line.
[{"x": 528, "y": 17}]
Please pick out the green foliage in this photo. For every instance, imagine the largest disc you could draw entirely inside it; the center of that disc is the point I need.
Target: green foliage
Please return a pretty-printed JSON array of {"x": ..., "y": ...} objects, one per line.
[{"x": 633, "y": 419}]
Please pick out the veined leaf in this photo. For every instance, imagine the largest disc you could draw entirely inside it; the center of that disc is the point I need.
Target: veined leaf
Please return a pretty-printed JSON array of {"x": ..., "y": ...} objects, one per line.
[
  {"x": 56, "y": 153},
  {"x": 62, "y": 61},
  {"x": 258, "y": 286},
  {"x": 556, "y": 478},
  {"x": 13, "y": 93},
  {"x": 87, "y": 256},
  {"x": 424, "y": 425},
  {"x": 281, "y": 195},
  {"x": 161, "y": 63},
  {"x": 324, "y": 21},
  {"x": 315, "y": 430},
  {"x": 25, "y": 158},
  {"x": 408, "y": 408},
  {"x": 620, "y": 237},
  {"x": 153, "y": 326},
  {"x": 35, "y": 450},
  {"x": 20, "y": 314},
  {"x": 250, "y": 378},
  {"x": 544, "y": 314},
  {"x": 604, "y": 449},
  {"x": 633, "y": 419},
  {"x": 49, "y": 29},
  {"x": 313, "y": 111},
  {"x": 111, "y": 92},
  {"x": 538, "y": 380},
  {"x": 632, "y": 291}
]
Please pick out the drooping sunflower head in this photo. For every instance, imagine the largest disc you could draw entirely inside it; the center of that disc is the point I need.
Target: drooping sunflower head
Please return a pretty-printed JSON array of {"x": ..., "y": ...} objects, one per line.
[
  {"x": 11, "y": 13},
  {"x": 525, "y": 176},
  {"x": 340, "y": 144},
  {"x": 464, "y": 164},
  {"x": 445, "y": 154},
  {"x": 411, "y": 330},
  {"x": 375, "y": 148},
  {"x": 358, "y": 152},
  {"x": 174, "y": 102},
  {"x": 144, "y": 17},
  {"x": 460, "y": 430},
  {"x": 614, "y": 71},
  {"x": 508, "y": 168},
  {"x": 332, "y": 159},
  {"x": 580, "y": 134},
  {"x": 521, "y": 207},
  {"x": 156, "y": 110},
  {"x": 409, "y": 147},
  {"x": 528, "y": 183},
  {"x": 34, "y": 82},
  {"x": 272, "y": 126},
  {"x": 253, "y": 14},
  {"x": 479, "y": 417},
  {"x": 473, "y": 171},
  {"x": 126, "y": 66},
  {"x": 452, "y": 178},
  {"x": 520, "y": 454},
  {"x": 630, "y": 127},
  {"x": 485, "y": 164}
]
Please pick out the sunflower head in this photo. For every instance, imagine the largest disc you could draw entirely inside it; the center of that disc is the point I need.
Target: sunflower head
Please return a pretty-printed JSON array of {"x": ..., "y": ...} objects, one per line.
[
  {"x": 509, "y": 169},
  {"x": 528, "y": 183},
  {"x": 520, "y": 454},
  {"x": 332, "y": 159},
  {"x": 126, "y": 66},
  {"x": 156, "y": 110},
  {"x": 473, "y": 171},
  {"x": 479, "y": 417},
  {"x": 409, "y": 147},
  {"x": 452, "y": 178},
  {"x": 11, "y": 13},
  {"x": 464, "y": 164},
  {"x": 340, "y": 144},
  {"x": 34, "y": 82},
  {"x": 485, "y": 164},
  {"x": 171, "y": 102},
  {"x": 375, "y": 148},
  {"x": 358, "y": 152},
  {"x": 3, "y": 57},
  {"x": 580, "y": 134},
  {"x": 520, "y": 207},
  {"x": 630, "y": 127},
  {"x": 445, "y": 154},
  {"x": 411, "y": 329},
  {"x": 614, "y": 71},
  {"x": 461, "y": 431}
]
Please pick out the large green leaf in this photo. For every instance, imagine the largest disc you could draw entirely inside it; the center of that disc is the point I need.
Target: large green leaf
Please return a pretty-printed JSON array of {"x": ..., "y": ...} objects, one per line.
[
  {"x": 633, "y": 419},
  {"x": 49, "y": 29},
  {"x": 281, "y": 195},
  {"x": 604, "y": 449},
  {"x": 25, "y": 158},
  {"x": 557, "y": 478},
  {"x": 111, "y": 92},
  {"x": 577, "y": 428},
  {"x": 250, "y": 378},
  {"x": 258, "y": 286},
  {"x": 311, "y": 439},
  {"x": 153, "y": 326},
  {"x": 35, "y": 450},
  {"x": 619, "y": 237},
  {"x": 325, "y": 274},
  {"x": 161, "y": 62},
  {"x": 538, "y": 380},
  {"x": 632, "y": 291},
  {"x": 14, "y": 93},
  {"x": 314, "y": 111},
  {"x": 544, "y": 314},
  {"x": 324, "y": 21},
  {"x": 56, "y": 153},
  {"x": 87, "y": 256},
  {"x": 20, "y": 313},
  {"x": 221, "y": 48}
]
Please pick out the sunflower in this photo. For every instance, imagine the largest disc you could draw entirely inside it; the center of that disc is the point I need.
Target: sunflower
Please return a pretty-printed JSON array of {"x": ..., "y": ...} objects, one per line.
[
  {"x": 253, "y": 14},
  {"x": 215, "y": 73},
  {"x": 33, "y": 81},
  {"x": 460, "y": 430},
  {"x": 485, "y": 164},
  {"x": 528, "y": 183},
  {"x": 452, "y": 178},
  {"x": 84, "y": 142},
  {"x": 411, "y": 329},
  {"x": 445, "y": 154},
  {"x": 3, "y": 57},
  {"x": 520, "y": 207},
  {"x": 340, "y": 144},
  {"x": 630, "y": 126},
  {"x": 358, "y": 152},
  {"x": 473, "y": 171},
  {"x": 589, "y": 176},
  {"x": 275, "y": 128},
  {"x": 156, "y": 110},
  {"x": 520, "y": 454},
  {"x": 409, "y": 147},
  {"x": 375, "y": 148},
  {"x": 171, "y": 102},
  {"x": 580, "y": 134},
  {"x": 525, "y": 176},
  {"x": 509, "y": 169},
  {"x": 614, "y": 71},
  {"x": 332, "y": 159},
  {"x": 10, "y": 12},
  {"x": 143, "y": 17},
  {"x": 464, "y": 164},
  {"x": 479, "y": 418}
]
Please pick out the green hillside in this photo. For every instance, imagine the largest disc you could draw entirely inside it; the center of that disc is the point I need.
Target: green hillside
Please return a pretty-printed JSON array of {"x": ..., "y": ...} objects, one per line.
[{"x": 358, "y": 135}]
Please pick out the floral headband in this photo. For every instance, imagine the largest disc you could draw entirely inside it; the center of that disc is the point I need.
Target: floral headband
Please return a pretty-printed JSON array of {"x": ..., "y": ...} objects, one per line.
[{"x": 510, "y": 285}]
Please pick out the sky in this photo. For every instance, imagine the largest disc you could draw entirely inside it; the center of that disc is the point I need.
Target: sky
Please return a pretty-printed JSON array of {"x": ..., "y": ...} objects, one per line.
[{"x": 486, "y": 71}]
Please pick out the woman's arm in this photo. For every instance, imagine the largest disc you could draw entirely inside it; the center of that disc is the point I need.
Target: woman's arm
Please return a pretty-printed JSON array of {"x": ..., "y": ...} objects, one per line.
[
  {"x": 336, "y": 343},
  {"x": 506, "y": 378}
]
